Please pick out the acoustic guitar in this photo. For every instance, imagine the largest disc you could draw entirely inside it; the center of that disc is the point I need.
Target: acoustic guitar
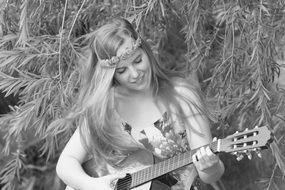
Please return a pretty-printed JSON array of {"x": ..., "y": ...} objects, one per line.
[{"x": 140, "y": 170}]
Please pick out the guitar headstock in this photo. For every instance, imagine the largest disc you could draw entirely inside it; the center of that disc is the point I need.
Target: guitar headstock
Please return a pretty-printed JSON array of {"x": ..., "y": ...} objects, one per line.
[{"x": 246, "y": 141}]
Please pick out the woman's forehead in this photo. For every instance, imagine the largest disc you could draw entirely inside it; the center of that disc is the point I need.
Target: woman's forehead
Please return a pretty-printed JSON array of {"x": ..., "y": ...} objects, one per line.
[
  {"x": 127, "y": 45},
  {"x": 129, "y": 59}
]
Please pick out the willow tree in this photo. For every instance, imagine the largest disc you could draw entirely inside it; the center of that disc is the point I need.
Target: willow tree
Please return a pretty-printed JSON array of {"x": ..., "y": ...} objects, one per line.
[{"x": 234, "y": 47}]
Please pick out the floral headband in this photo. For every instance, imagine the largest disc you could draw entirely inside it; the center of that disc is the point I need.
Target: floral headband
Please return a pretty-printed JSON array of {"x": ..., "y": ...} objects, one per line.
[{"x": 113, "y": 61}]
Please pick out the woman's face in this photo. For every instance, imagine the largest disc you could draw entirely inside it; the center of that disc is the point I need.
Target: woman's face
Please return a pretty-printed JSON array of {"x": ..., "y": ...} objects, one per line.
[{"x": 133, "y": 73}]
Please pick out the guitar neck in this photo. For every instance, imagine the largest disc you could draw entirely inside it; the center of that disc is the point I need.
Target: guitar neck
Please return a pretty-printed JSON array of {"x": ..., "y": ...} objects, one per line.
[{"x": 164, "y": 167}]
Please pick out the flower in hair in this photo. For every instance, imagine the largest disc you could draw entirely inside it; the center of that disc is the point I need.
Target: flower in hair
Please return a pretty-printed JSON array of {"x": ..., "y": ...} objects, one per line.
[{"x": 113, "y": 61}]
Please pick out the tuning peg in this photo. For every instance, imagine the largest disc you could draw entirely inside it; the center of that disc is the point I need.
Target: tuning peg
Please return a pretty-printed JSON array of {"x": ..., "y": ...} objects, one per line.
[
  {"x": 249, "y": 156},
  {"x": 258, "y": 153},
  {"x": 240, "y": 157}
]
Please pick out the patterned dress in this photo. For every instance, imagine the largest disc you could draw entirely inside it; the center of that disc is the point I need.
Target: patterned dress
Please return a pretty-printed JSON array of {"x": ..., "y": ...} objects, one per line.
[{"x": 165, "y": 138}]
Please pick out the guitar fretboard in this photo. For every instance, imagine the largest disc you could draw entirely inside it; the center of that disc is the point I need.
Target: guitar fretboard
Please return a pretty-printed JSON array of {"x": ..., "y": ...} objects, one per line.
[{"x": 165, "y": 166}]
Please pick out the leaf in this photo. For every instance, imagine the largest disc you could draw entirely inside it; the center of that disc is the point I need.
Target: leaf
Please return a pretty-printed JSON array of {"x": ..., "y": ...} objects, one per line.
[
  {"x": 29, "y": 183},
  {"x": 24, "y": 29},
  {"x": 263, "y": 8},
  {"x": 280, "y": 159},
  {"x": 14, "y": 88},
  {"x": 10, "y": 61},
  {"x": 26, "y": 60}
]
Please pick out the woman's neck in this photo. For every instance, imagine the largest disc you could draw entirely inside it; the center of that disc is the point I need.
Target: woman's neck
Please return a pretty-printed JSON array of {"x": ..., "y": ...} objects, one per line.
[{"x": 133, "y": 94}]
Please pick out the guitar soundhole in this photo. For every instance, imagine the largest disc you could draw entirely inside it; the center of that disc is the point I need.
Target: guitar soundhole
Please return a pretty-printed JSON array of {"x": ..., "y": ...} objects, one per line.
[{"x": 124, "y": 183}]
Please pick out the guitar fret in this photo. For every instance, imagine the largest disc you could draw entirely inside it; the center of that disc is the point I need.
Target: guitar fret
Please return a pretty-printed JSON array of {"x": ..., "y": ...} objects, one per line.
[
  {"x": 150, "y": 173},
  {"x": 143, "y": 175},
  {"x": 135, "y": 177},
  {"x": 183, "y": 159},
  {"x": 165, "y": 166},
  {"x": 158, "y": 168},
  {"x": 155, "y": 171},
  {"x": 133, "y": 183},
  {"x": 168, "y": 166},
  {"x": 139, "y": 176},
  {"x": 178, "y": 161},
  {"x": 161, "y": 168},
  {"x": 173, "y": 162},
  {"x": 147, "y": 174}
]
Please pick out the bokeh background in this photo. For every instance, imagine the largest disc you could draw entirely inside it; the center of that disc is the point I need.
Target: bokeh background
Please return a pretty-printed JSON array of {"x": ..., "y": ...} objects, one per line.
[{"x": 233, "y": 49}]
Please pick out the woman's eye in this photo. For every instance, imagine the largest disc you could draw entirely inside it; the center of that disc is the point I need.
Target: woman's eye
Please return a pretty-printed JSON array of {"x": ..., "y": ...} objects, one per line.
[
  {"x": 120, "y": 70},
  {"x": 138, "y": 60}
]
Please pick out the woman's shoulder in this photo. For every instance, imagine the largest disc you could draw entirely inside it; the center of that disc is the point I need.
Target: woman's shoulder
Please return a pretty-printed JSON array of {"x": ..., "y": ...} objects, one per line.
[
  {"x": 185, "y": 87},
  {"x": 189, "y": 97}
]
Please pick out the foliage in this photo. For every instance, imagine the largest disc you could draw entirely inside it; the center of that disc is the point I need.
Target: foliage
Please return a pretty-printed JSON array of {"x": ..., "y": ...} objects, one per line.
[{"x": 234, "y": 46}]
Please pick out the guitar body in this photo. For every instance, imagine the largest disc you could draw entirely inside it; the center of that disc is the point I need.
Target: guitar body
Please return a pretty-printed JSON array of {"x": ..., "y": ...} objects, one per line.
[{"x": 135, "y": 162}]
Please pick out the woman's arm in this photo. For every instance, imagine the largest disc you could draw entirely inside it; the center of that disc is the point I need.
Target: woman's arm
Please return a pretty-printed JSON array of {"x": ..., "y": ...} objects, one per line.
[
  {"x": 70, "y": 171},
  {"x": 69, "y": 167},
  {"x": 209, "y": 167}
]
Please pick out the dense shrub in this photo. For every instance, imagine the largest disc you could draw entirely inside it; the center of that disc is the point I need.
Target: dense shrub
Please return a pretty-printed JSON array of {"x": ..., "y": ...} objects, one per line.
[{"x": 234, "y": 48}]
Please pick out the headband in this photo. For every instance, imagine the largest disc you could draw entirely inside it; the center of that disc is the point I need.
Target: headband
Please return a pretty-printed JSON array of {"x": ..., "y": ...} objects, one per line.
[{"x": 113, "y": 61}]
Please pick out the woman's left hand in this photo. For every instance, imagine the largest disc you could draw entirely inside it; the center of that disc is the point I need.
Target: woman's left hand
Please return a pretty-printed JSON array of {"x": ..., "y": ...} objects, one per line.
[{"x": 204, "y": 159}]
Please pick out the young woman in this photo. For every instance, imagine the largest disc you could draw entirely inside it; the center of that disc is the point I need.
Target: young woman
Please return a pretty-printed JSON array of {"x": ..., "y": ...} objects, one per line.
[{"x": 132, "y": 112}]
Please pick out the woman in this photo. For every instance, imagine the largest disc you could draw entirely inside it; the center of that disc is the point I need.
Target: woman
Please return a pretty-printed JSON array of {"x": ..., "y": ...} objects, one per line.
[{"x": 133, "y": 112}]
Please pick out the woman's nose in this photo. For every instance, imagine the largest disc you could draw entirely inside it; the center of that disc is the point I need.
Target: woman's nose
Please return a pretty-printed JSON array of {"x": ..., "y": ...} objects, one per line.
[{"x": 134, "y": 72}]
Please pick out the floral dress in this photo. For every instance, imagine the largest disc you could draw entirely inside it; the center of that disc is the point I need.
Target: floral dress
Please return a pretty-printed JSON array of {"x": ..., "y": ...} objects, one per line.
[{"x": 165, "y": 138}]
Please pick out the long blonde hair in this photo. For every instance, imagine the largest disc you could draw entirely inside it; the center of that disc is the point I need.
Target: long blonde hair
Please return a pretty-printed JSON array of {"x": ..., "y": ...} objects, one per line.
[{"x": 100, "y": 133}]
